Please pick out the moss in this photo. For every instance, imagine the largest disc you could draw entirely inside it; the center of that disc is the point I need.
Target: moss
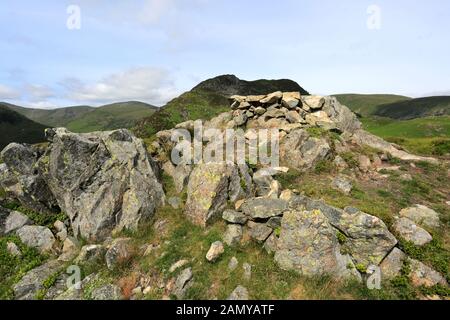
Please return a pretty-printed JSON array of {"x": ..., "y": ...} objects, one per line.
[
  {"x": 342, "y": 238},
  {"x": 324, "y": 166},
  {"x": 361, "y": 268}
]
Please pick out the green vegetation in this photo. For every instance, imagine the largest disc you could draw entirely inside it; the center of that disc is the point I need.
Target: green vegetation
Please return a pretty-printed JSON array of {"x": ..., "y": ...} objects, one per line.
[
  {"x": 366, "y": 104},
  {"x": 415, "y": 108}
]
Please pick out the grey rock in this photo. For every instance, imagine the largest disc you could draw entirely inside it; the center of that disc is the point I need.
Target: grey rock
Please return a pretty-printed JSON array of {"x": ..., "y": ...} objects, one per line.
[
  {"x": 247, "y": 270},
  {"x": 260, "y": 110},
  {"x": 272, "y": 98},
  {"x": 233, "y": 216},
  {"x": 37, "y": 237},
  {"x": 240, "y": 293},
  {"x": 233, "y": 235},
  {"x": 263, "y": 208},
  {"x": 15, "y": 221},
  {"x": 423, "y": 275},
  {"x": 107, "y": 292},
  {"x": 274, "y": 222},
  {"x": 293, "y": 117},
  {"x": 104, "y": 181},
  {"x": 182, "y": 283},
  {"x": 174, "y": 202},
  {"x": 215, "y": 251},
  {"x": 259, "y": 231},
  {"x": 13, "y": 249},
  {"x": 392, "y": 264},
  {"x": 343, "y": 184},
  {"x": 90, "y": 253},
  {"x": 177, "y": 265},
  {"x": 32, "y": 281},
  {"x": 271, "y": 244},
  {"x": 120, "y": 252},
  {"x": 421, "y": 215},
  {"x": 409, "y": 231}
]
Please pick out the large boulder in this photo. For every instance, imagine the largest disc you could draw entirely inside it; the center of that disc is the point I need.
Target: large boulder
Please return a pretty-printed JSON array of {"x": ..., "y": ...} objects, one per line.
[
  {"x": 409, "y": 231},
  {"x": 37, "y": 237},
  {"x": 20, "y": 178},
  {"x": 263, "y": 208},
  {"x": 11, "y": 221},
  {"x": 104, "y": 181},
  {"x": 308, "y": 244},
  {"x": 421, "y": 215}
]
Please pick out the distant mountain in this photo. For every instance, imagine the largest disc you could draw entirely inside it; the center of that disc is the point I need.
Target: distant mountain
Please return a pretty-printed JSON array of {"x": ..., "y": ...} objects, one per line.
[
  {"x": 86, "y": 118},
  {"x": 366, "y": 104},
  {"x": 415, "y": 108},
  {"x": 14, "y": 127},
  {"x": 208, "y": 99}
]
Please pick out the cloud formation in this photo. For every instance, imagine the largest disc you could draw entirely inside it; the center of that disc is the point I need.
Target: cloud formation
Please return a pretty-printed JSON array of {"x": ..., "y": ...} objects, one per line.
[
  {"x": 148, "y": 84},
  {"x": 7, "y": 93}
]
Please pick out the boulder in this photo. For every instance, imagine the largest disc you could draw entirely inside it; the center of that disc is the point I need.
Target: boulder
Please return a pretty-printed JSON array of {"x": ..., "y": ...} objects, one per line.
[
  {"x": 247, "y": 270},
  {"x": 409, "y": 231},
  {"x": 272, "y": 98},
  {"x": 104, "y": 181},
  {"x": 308, "y": 245},
  {"x": 240, "y": 293},
  {"x": 341, "y": 116},
  {"x": 90, "y": 253},
  {"x": 263, "y": 208},
  {"x": 215, "y": 251},
  {"x": 392, "y": 264},
  {"x": 421, "y": 215},
  {"x": 37, "y": 237},
  {"x": 13, "y": 249},
  {"x": 32, "y": 282},
  {"x": 342, "y": 184},
  {"x": 300, "y": 151},
  {"x": 233, "y": 264},
  {"x": 271, "y": 243},
  {"x": 313, "y": 102},
  {"x": 423, "y": 275},
  {"x": 20, "y": 178},
  {"x": 290, "y": 100},
  {"x": 177, "y": 265},
  {"x": 233, "y": 234}
]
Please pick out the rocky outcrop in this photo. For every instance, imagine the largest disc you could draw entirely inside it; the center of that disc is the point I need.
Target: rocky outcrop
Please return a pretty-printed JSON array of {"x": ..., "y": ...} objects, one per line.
[
  {"x": 409, "y": 231},
  {"x": 421, "y": 215},
  {"x": 37, "y": 237},
  {"x": 103, "y": 181}
]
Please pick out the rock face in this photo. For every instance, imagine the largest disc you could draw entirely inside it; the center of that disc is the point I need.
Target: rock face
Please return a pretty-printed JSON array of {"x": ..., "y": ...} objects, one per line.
[
  {"x": 263, "y": 208},
  {"x": 104, "y": 181},
  {"x": 308, "y": 244},
  {"x": 240, "y": 293},
  {"x": 20, "y": 178},
  {"x": 182, "y": 283},
  {"x": 408, "y": 230},
  {"x": 392, "y": 264},
  {"x": 37, "y": 237},
  {"x": 14, "y": 221},
  {"x": 119, "y": 253}
]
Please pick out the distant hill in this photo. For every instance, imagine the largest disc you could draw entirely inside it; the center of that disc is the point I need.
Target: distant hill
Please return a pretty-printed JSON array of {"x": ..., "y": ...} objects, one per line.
[
  {"x": 86, "y": 118},
  {"x": 415, "y": 108},
  {"x": 367, "y": 104},
  {"x": 208, "y": 99},
  {"x": 112, "y": 116},
  {"x": 14, "y": 127}
]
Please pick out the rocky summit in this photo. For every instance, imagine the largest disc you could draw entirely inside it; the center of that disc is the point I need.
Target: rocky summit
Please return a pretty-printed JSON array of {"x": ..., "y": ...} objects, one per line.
[{"x": 319, "y": 206}]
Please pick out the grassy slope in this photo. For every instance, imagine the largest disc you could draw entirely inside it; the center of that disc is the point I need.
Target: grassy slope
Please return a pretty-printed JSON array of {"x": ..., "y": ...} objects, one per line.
[
  {"x": 366, "y": 104},
  {"x": 16, "y": 128},
  {"x": 113, "y": 116},
  {"x": 415, "y": 108}
]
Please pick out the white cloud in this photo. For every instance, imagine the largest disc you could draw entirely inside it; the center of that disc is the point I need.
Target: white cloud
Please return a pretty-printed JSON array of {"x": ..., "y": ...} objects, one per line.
[
  {"x": 8, "y": 93},
  {"x": 37, "y": 93},
  {"x": 153, "y": 10},
  {"x": 152, "y": 85}
]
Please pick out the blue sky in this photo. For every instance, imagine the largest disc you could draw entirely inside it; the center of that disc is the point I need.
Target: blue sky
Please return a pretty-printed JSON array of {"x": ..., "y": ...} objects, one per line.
[{"x": 152, "y": 50}]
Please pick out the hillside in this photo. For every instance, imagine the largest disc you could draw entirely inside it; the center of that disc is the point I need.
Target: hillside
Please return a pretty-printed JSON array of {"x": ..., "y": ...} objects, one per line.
[
  {"x": 17, "y": 128},
  {"x": 112, "y": 116},
  {"x": 366, "y": 104},
  {"x": 415, "y": 108},
  {"x": 208, "y": 99},
  {"x": 52, "y": 118}
]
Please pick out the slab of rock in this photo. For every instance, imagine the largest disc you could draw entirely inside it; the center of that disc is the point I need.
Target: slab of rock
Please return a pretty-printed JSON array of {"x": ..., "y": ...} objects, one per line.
[
  {"x": 107, "y": 292},
  {"x": 259, "y": 231},
  {"x": 271, "y": 244},
  {"x": 32, "y": 281},
  {"x": 120, "y": 252},
  {"x": 177, "y": 265},
  {"x": 272, "y": 98},
  {"x": 263, "y": 208},
  {"x": 240, "y": 293},
  {"x": 15, "y": 221},
  {"x": 409, "y": 231},
  {"x": 313, "y": 102},
  {"x": 308, "y": 245},
  {"x": 13, "y": 249},
  {"x": 290, "y": 100},
  {"x": 392, "y": 264},
  {"x": 421, "y": 215},
  {"x": 233, "y": 216},
  {"x": 422, "y": 275},
  {"x": 233, "y": 264},
  {"x": 37, "y": 237},
  {"x": 104, "y": 181},
  {"x": 208, "y": 192},
  {"x": 182, "y": 283},
  {"x": 215, "y": 251},
  {"x": 233, "y": 235}
]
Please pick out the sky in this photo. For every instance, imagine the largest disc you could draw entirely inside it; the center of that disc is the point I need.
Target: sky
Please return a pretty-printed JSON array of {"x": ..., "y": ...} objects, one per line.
[{"x": 57, "y": 53}]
